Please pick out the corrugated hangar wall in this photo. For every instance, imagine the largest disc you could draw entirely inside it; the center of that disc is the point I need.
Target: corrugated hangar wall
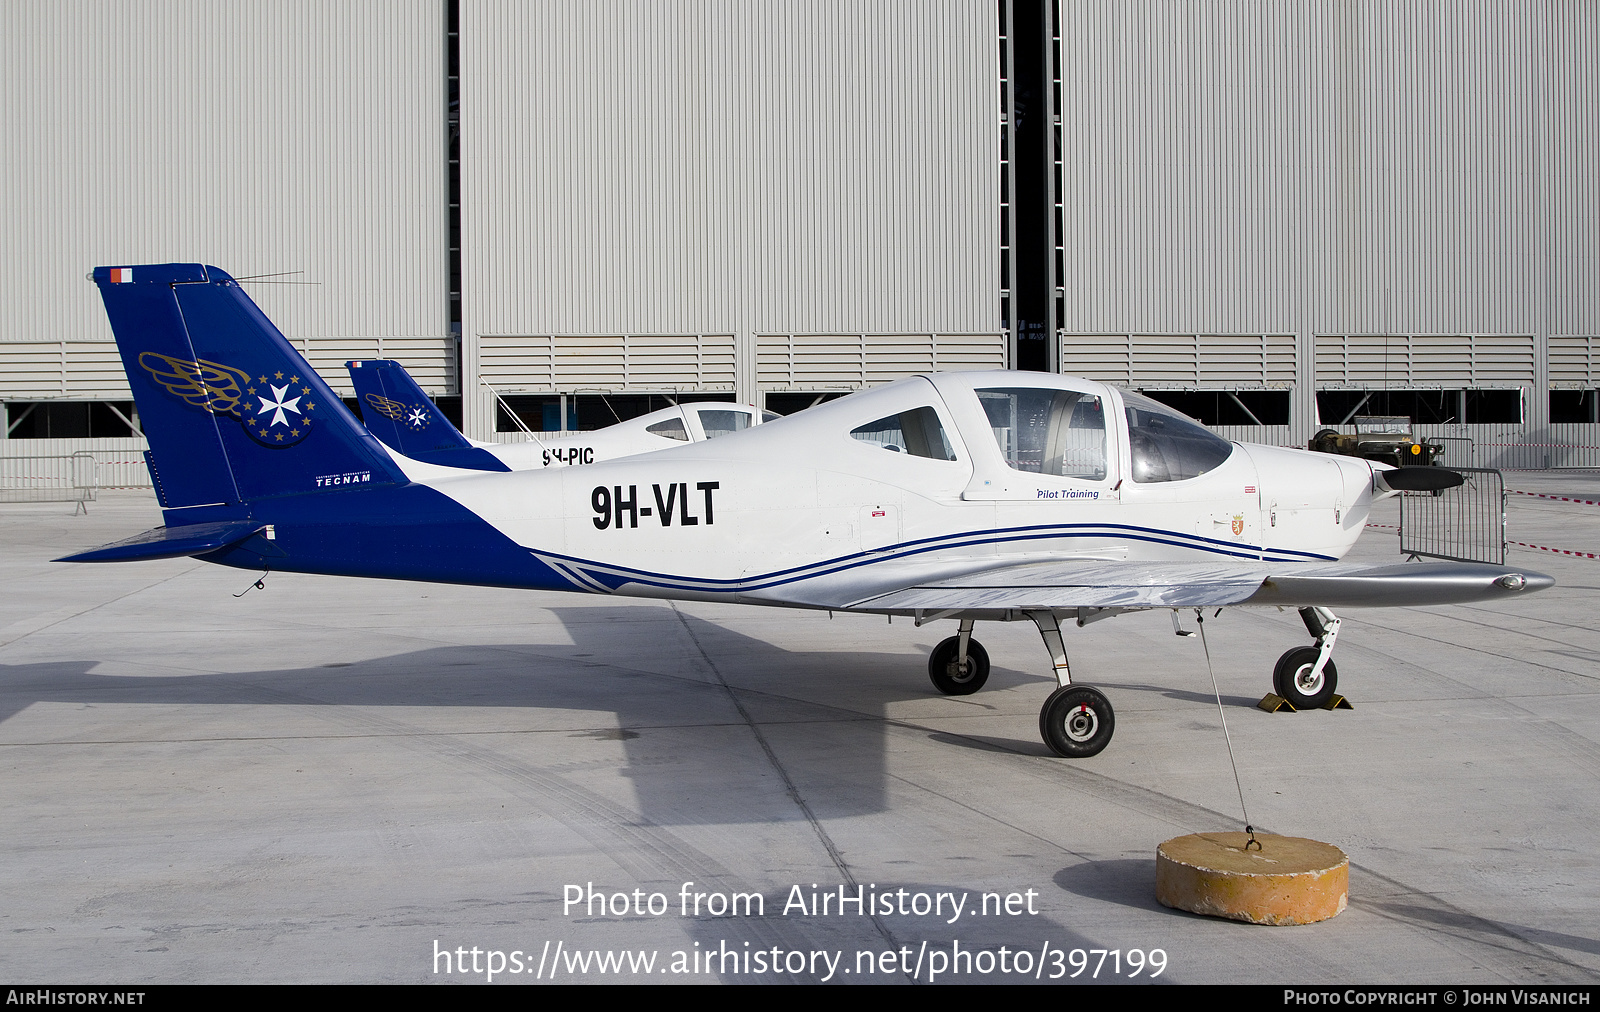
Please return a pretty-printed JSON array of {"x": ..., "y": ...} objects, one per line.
[
  {"x": 282, "y": 135},
  {"x": 743, "y": 198},
  {"x": 1404, "y": 192},
  {"x": 726, "y": 176}
]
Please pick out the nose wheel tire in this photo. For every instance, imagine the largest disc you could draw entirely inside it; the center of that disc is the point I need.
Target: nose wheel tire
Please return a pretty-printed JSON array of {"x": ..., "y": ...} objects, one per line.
[
  {"x": 1077, "y": 721},
  {"x": 1294, "y": 680},
  {"x": 953, "y": 679}
]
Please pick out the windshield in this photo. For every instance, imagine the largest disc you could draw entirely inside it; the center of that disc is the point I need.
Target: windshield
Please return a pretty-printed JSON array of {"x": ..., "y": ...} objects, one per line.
[
  {"x": 1383, "y": 425},
  {"x": 1167, "y": 446}
]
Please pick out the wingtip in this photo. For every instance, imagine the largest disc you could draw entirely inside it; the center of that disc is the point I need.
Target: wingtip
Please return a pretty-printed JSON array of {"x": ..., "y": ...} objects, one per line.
[{"x": 1526, "y": 582}]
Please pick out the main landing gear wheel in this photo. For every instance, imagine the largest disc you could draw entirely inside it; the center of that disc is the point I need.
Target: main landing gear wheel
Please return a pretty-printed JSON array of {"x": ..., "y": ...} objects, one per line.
[
  {"x": 951, "y": 678},
  {"x": 1295, "y": 681},
  {"x": 1077, "y": 721}
]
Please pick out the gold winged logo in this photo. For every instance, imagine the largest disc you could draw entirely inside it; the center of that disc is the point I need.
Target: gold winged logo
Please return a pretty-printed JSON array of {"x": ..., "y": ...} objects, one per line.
[
  {"x": 209, "y": 385},
  {"x": 387, "y": 407}
]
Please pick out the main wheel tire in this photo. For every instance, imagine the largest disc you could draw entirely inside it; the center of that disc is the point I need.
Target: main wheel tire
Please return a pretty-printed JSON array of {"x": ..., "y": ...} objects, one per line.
[
  {"x": 1077, "y": 721},
  {"x": 950, "y": 677},
  {"x": 1326, "y": 441},
  {"x": 1293, "y": 679}
]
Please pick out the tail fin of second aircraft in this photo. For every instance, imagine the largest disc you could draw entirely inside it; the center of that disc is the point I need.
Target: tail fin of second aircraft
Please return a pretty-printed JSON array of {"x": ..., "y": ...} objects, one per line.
[
  {"x": 406, "y": 419},
  {"x": 232, "y": 412}
]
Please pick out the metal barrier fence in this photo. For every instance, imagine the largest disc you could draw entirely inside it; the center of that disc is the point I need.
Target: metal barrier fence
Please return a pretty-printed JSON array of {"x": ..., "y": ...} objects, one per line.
[
  {"x": 68, "y": 478},
  {"x": 1466, "y": 523},
  {"x": 1457, "y": 451}
]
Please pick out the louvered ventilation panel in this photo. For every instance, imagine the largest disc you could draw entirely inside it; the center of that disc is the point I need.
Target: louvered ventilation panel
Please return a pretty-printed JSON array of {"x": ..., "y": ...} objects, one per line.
[
  {"x": 552, "y": 363},
  {"x": 1424, "y": 360}
]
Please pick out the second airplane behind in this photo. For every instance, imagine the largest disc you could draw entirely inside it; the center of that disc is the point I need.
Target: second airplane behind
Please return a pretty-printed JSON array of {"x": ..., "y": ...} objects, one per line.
[{"x": 408, "y": 422}]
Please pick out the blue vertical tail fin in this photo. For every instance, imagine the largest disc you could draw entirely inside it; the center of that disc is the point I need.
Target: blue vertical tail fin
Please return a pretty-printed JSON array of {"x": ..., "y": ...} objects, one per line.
[
  {"x": 406, "y": 420},
  {"x": 232, "y": 411}
]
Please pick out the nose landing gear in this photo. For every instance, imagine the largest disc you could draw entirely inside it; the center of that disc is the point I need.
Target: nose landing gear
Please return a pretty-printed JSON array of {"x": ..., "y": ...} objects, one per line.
[{"x": 1305, "y": 676}]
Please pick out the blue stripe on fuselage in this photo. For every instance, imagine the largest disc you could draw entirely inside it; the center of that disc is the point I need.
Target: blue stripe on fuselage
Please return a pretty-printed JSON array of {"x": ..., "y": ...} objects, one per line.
[
  {"x": 613, "y": 576},
  {"x": 414, "y": 532}
]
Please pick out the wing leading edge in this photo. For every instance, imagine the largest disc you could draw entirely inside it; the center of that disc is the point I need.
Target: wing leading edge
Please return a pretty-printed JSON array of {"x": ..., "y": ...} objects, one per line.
[{"x": 1059, "y": 585}]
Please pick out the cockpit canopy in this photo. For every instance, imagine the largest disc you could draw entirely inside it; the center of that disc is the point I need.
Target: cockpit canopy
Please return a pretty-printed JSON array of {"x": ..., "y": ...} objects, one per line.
[{"x": 1034, "y": 424}]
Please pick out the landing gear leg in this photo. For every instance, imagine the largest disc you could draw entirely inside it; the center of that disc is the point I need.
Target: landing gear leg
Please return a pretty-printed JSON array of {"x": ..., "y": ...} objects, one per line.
[
  {"x": 1076, "y": 721},
  {"x": 959, "y": 666},
  {"x": 1305, "y": 676}
]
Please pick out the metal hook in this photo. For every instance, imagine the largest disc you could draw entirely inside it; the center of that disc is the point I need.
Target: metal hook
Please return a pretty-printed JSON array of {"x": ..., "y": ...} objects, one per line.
[{"x": 1251, "y": 830}]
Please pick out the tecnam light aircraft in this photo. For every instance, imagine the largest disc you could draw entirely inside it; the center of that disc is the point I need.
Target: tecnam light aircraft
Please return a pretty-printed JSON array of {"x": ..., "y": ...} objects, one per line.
[
  {"x": 956, "y": 496},
  {"x": 407, "y": 421}
]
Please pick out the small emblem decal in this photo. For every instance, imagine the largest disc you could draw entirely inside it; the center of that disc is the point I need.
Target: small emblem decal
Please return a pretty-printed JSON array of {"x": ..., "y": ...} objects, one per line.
[
  {"x": 414, "y": 418},
  {"x": 1238, "y": 526}
]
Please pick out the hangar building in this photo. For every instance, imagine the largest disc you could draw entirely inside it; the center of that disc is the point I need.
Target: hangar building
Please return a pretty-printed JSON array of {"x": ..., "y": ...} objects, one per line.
[{"x": 1275, "y": 216}]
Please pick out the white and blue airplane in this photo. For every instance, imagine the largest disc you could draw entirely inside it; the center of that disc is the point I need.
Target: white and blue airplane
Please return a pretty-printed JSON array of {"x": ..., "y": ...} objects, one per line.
[
  {"x": 407, "y": 422},
  {"x": 989, "y": 496}
]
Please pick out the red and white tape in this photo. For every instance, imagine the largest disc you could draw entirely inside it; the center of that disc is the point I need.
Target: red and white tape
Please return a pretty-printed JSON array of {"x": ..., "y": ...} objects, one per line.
[
  {"x": 1558, "y": 498},
  {"x": 1556, "y": 551},
  {"x": 1521, "y": 544}
]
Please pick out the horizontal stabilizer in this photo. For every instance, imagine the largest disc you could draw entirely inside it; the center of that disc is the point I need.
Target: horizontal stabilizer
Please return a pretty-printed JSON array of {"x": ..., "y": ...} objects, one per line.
[
  {"x": 1417, "y": 479},
  {"x": 170, "y": 543}
]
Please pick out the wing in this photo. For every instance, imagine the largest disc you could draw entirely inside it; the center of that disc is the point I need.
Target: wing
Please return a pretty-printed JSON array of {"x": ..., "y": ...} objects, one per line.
[
  {"x": 1084, "y": 584},
  {"x": 1411, "y": 584}
]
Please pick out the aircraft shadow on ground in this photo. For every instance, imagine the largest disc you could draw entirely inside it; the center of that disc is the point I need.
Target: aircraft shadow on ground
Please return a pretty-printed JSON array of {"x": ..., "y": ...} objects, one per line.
[
  {"x": 1187, "y": 695},
  {"x": 681, "y": 729},
  {"x": 990, "y": 743}
]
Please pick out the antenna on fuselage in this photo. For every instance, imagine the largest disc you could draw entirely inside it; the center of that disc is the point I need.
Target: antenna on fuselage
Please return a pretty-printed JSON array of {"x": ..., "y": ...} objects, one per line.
[{"x": 514, "y": 416}]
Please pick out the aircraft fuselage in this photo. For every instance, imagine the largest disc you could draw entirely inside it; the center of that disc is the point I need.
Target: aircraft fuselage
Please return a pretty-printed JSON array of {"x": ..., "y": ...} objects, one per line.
[{"x": 803, "y": 512}]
